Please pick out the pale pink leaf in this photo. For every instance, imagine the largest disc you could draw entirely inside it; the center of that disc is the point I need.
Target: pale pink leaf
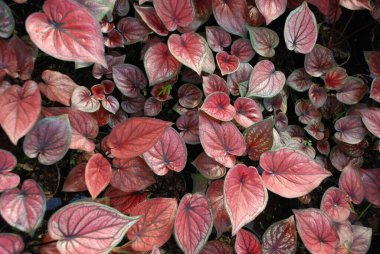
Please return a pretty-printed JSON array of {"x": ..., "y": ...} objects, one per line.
[{"x": 271, "y": 9}]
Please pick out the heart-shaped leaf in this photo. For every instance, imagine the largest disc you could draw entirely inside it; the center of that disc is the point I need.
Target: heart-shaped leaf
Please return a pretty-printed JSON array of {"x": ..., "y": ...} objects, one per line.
[
  {"x": 316, "y": 129},
  {"x": 99, "y": 8},
  {"x": 59, "y": 33},
  {"x": 189, "y": 96},
  {"x": 259, "y": 138},
  {"x": 49, "y": 140},
  {"x": 246, "y": 242},
  {"x": 353, "y": 91},
  {"x": 133, "y": 105},
  {"x": 216, "y": 247},
  {"x": 152, "y": 107},
  {"x": 242, "y": 49},
  {"x": 151, "y": 19},
  {"x": 352, "y": 184},
  {"x": 217, "y": 38},
  {"x": 97, "y": 174},
  {"x": 240, "y": 76},
  {"x": 156, "y": 224},
  {"x": 82, "y": 100},
  {"x": 21, "y": 108},
  {"x": 375, "y": 89},
  {"x": 227, "y": 63},
  {"x": 8, "y": 162},
  {"x": 361, "y": 242},
  {"x": 263, "y": 40},
  {"x": 214, "y": 83},
  {"x": 25, "y": 208},
  {"x": 208, "y": 167},
  {"x": 84, "y": 227},
  {"x": 174, "y": 13},
  {"x": 319, "y": 61},
  {"x": 133, "y": 30},
  {"x": 217, "y": 105},
  {"x": 75, "y": 181},
  {"x": 188, "y": 124},
  {"x": 193, "y": 222},
  {"x": 113, "y": 39},
  {"x": 122, "y": 201},
  {"x": 25, "y": 54},
  {"x": 6, "y": 20},
  {"x": 350, "y": 129},
  {"x": 371, "y": 120},
  {"x": 317, "y": 95},
  {"x": 290, "y": 173},
  {"x": 129, "y": 79},
  {"x": 8, "y": 60},
  {"x": 299, "y": 80},
  {"x": 306, "y": 112},
  {"x": 280, "y": 237},
  {"x": 335, "y": 78},
  {"x": 245, "y": 196},
  {"x": 111, "y": 104},
  {"x": 11, "y": 243},
  {"x": 335, "y": 203},
  {"x": 271, "y": 9},
  {"x": 231, "y": 15},
  {"x": 371, "y": 182}
]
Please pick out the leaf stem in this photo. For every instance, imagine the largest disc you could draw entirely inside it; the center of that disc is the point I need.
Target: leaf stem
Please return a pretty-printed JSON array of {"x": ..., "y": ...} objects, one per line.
[{"x": 365, "y": 211}]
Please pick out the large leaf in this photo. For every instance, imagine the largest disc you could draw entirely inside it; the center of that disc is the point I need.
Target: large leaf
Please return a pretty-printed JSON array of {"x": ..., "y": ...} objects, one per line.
[
  {"x": 301, "y": 30},
  {"x": 290, "y": 173},
  {"x": 217, "y": 105},
  {"x": 193, "y": 222},
  {"x": 352, "y": 184},
  {"x": 11, "y": 243},
  {"x": 335, "y": 203},
  {"x": 49, "y": 140},
  {"x": 220, "y": 140},
  {"x": 135, "y": 136},
  {"x": 259, "y": 138},
  {"x": 231, "y": 15},
  {"x": 175, "y": 13},
  {"x": 265, "y": 81},
  {"x": 97, "y": 174},
  {"x": 8, "y": 162},
  {"x": 20, "y": 109},
  {"x": 7, "y": 22},
  {"x": 245, "y": 196},
  {"x": 316, "y": 230},
  {"x": 60, "y": 33},
  {"x": 25, "y": 208},
  {"x": 88, "y": 227},
  {"x": 280, "y": 237},
  {"x": 151, "y": 19},
  {"x": 246, "y": 242},
  {"x": 371, "y": 182},
  {"x": 99, "y": 8},
  {"x": 129, "y": 79},
  {"x": 122, "y": 201},
  {"x": 156, "y": 224},
  {"x": 169, "y": 153},
  {"x": 189, "y": 49},
  {"x": 271, "y": 9}
]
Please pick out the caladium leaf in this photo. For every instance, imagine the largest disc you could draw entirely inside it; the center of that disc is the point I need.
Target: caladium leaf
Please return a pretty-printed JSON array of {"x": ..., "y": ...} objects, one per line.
[
  {"x": 21, "y": 107},
  {"x": 290, "y": 173},
  {"x": 135, "y": 136},
  {"x": 371, "y": 120},
  {"x": 280, "y": 237},
  {"x": 84, "y": 227},
  {"x": 133, "y": 30},
  {"x": 208, "y": 64},
  {"x": 189, "y": 96},
  {"x": 214, "y": 83},
  {"x": 356, "y": 4},
  {"x": 160, "y": 65},
  {"x": 133, "y": 105},
  {"x": 129, "y": 79},
  {"x": 373, "y": 58},
  {"x": 156, "y": 223},
  {"x": 299, "y": 80},
  {"x": 352, "y": 184},
  {"x": 340, "y": 160},
  {"x": 82, "y": 100},
  {"x": 265, "y": 81},
  {"x": 174, "y": 13},
  {"x": 222, "y": 221},
  {"x": 335, "y": 78},
  {"x": 25, "y": 208},
  {"x": 26, "y": 56},
  {"x": 259, "y": 138},
  {"x": 316, "y": 129},
  {"x": 216, "y": 247},
  {"x": 152, "y": 107},
  {"x": 375, "y": 90},
  {"x": 7, "y": 21},
  {"x": 111, "y": 104},
  {"x": 241, "y": 75},
  {"x": 193, "y": 222},
  {"x": 112, "y": 60},
  {"x": 75, "y": 181},
  {"x": 361, "y": 242},
  {"x": 99, "y": 8},
  {"x": 151, "y": 19},
  {"x": 217, "y": 105},
  {"x": 317, "y": 95},
  {"x": 247, "y": 112},
  {"x": 49, "y": 139},
  {"x": 217, "y": 38},
  {"x": 188, "y": 124},
  {"x": 316, "y": 230},
  {"x": 189, "y": 49},
  {"x": 113, "y": 39},
  {"x": 306, "y": 112},
  {"x": 271, "y": 9},
  {"x": 97, "y": 174},
  {"x": 208, "y": 167},
  {"x": 353, "y": 91},
  {"x": 350, "y": 129},
  {"x": 227, "y": 63},
  {"x": 335, "y": 202},
  {"x": 319, "y": 61},
  {"x": 231, "y": 15},
  {"x": 301, "y": 30},
  {"x": 122, "y": 201},
  {"x": 242, "y": 49},
  {"x": 246, "y": 242},
  {"x": 169, "y": 153},
  {"x": 59, "y": 33},
  {"x": 245, "y": 196},
  {"x": 8, "y": 162},
  {"x": 8, "y": 60},
  {"x": 11, "y": 243},
  {"x": 220, "y": 140},
  {"x": 371, "y": 183},
  {"x": 263, "y": 40},
  {"x": 98, "y": 91}
]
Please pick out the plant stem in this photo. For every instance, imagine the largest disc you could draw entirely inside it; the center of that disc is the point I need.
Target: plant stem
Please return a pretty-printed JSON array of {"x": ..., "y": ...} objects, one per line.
[{"x": 365, "y": 211}]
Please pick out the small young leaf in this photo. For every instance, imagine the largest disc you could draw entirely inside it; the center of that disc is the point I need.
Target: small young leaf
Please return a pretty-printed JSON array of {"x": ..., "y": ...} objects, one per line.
[{"x": 97, "y": 174}]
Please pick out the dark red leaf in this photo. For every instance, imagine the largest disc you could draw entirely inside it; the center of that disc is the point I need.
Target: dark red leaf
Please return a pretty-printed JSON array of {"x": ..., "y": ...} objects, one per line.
[
  {"x": 98, "y": 91},
  {"x": 255, "y": 18},
  {"x": 151, "y": 19},
  {"x": 353, "y": 91},
  {"x": 319, "y": 61},
  {"x": 242, "y": 49},
  {"x": 371, "y": 183},
  {"x": 316, "y": 129},
  {"x": 152, "y": 107},
  {"x": 97, "y": 174},
  {"x": 216, "y": 247},
  {"x": 133, "y": 30},
  {"x": 8, "y": 162},
  {"x": 122, "y": 201},
  {"x": 306, "y": 112},
  {"x": 113, "y": 39},
  {"x": 259, "y": 138},
  {"x": 281, "y": 122},
  {"x": 217, "y": 38},
  {"x": 8, "y": 60},
  {"x": 213, "y": 83},
  {"x": 133, "y": 105},
  {"x": 208, "y": 167},
  {"x": 59, "y": 32},
  {"x": 231, "y": 15},
  {"x": 247, "y": 243},
  {"x": 25, "y": 57},
  {"x": 340, "y": 160},
  {"x": 317, "y": 95},
  {"x": 299, "y": 80},
  {"x": 193, "y": 222},
  {"x": 371, "y": 120},
  {"x": 217, "y": 105},
  {"x": 335, "y": 78},
  {"x": 373, "y": 60},
  {"x": 350, "y": 129},
  {"x": 12, "y": 244},
  {"x": 247, "y": 112},
  {"x": 129, "y": 79},
  {"x": 263, "y": 40},
  {"x": 108, "y": 85},
  {"x": 280, "y": 237},
  {"x": 188, "y": 124},
  {"x": 352, "y": 184},
  {"x": 174, "y": 13},
  {"x": 272, "y": 9},
  {"x": 332, "y": 107},
  {"x": 189, "y": 96},
  {"x": 335, "y": 203},
  {"x": 112, "y": 60},
  {"x": 375, "y": 90},
  {"x": 75, "y": 181},
  {"x": 227, "y": 63}
]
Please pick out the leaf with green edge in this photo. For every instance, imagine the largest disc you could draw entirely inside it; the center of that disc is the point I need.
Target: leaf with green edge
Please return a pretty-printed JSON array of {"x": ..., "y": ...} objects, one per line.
[
  {"x": 7, "y": 22},
  {"x": 263, "y": 40},
  {"x": 11, "y": 243},
  {"x": 280, "y": 237},
  {"x": 259, "y": 138},
  {"x": 99, "y": 8},
  {"x": 8, "y": 162},
  {"x": 97, "y": 174},
  {"x": 335, "y": 202}
]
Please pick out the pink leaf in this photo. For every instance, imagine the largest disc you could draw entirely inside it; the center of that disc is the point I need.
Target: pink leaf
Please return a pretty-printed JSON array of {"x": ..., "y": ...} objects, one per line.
[
  {"x": 97, "y": 174},
  {"x": 214, "y": 83},
  {"x": 259, "y": 138},
  {"x": 241, "y": 75},
  {"x": 217, "y": 38},
  {"x": 352, "y": 184},
  {"x": 316, "y": 129},
  {"x": 8, "y": 162},
  {"x": 193, "y": 222},
  {"x": 290, "y": 173},
  {"x": 301, "y": 30},
  {"x": 25, "y": 208},
  {"x": 340, "y": 160},
  {"x": 59, "y": 32},
  {"x": 75, "y": 181},
  {"x": 245, "y": 196},
  {"x": 188, "y": 124},
  {"x": 129, "y": 79},
  {"x": 49, "y": 139},
  {"x": 208, "y": 167},
  {"x": 317, "y": 95},
  {"x": 20, "y": 109},
  {"x": 375, "y": 90},
  {"x": 231, "y": 15},
  {"x": 133, "y": 30},
  {"x": 362, "y": 240},
  {"x": 353, "y": 91},
  {"x": 350, "y": 129},
  {"x": 8, "y": 60},
  {"x": 122, "y": 201},
  {"x": 217, "y": 105},
  {"x": 247, "y": 112},
  {"x": 112, "y": 60},
  {"x": 335, "y": 78},
  {"x": 371, "y": 120},
  {"x": 306, "y": 112},
  {"x": 356, "y": 4},
  {"x": 133, "y": 105},
  {"x": 299, "y": 80},
  {"x": 373, "y": 60},
  {"x": 84, "y": 227},
  {"x": 265, "y": 81},
  {"x": 371, "y": 183},
  {"x": 156, "y": 224},
  {"x": 316, "y": 230},
  {"x": 189, "y": 96},
  {"x": 271, "y": 9},
  {"x": 82, "y": 100},
  {"x": 280, "y": 237},
  {"x": 227, "y": 63},
  {"x": 216, "y": 247},
  {"x": 111, "y": 104},
  {"x": 25, "y": 54},
  {"x": 319, "y": 61},
  {"x": 151, "y": 19},
  {"x": 11, "y": 243},
  {"x": 263, "y": 40},
  {"x": 335, "y": 203},
  {"x": 242, "y": 49},
  {"x": 175, "y": 13},
  {"x": 246, "y": 243}
]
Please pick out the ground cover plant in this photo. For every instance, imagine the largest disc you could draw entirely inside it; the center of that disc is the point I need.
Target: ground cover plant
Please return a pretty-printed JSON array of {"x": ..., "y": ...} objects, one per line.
[{"x": 189, "y": 126}]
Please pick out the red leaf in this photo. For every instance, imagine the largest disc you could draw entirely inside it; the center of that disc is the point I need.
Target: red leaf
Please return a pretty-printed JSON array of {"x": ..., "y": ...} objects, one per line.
[
  {"x": 169, "y": 153},
  {"x": 189, "y": 96},
  {"x": 133, "y": 105},
  {"x": 60, "y": 33},
  {"x": 160, "y": 65},
  {"x": 371, "y": 183},
  {"x": 280, "y": 237},
  {"x": 373, "y": 60},
  {"x": 375, "y": 90},
  {"x": 316, "y": 230},
  {"x": 306, "y": 112},
  {"x": 208, "y": 167},
  {"x": 156, "y": 224},
  {"x": 109, "y": 86},
  {"x": 352, "y": 184},
  {"x": 231, "y": 15},
  {"x": 112, "y": 60},
  {"x": 299, "y": 80},
  {"x": 75, "y": 181},
  {"x": 193, "y": 222},
  {"x": 25, "y": 57},
  {"x": 129, "y": 79},
  {"x": 20, "y": 109},
  {"x": 247, "y": 243},
  {"x": 301, "y": 30},
  {"x": 102, "y": 116},
  {"x": 113, "y": 39},
  {"x": 25, "y": 208},
  {"x": 217, "y": 38},
  {"x": 152, "y": 107},
  {"x": 271, "y": 9},
  {"x": 216, "y": 247},
  {"x": 317, "y": 95},
  {"x": 7, "y": 21},
  {"x": 227, "y": 63},
  {"x": 49, "y": 140},
  {"x": 217, "y": 105},
  {"x": 11, "y": 243},
  {"x": 335, "y": 203},
  {"x": 84, "y": 227},
  {"x": 316, "y": 129},
  {"x": 133, "y": 30},
  {"x": 151, "y": 19},
  {"x": 8, "y": 60},
  {"x": 319, "y": 61},
  {"x": 188, "y": 124},
  {"x": 290, "y": 173},
  {"x": 353, "y": 91},
  {"x": 350, "y": 129},
  {"x": 335, "y": 78},
  {"x": 371, "y": 120},
  {"x": 241, "y": 75},
  {"x": 259, "y": 138},
  {"x": 222, "y": 221},
  {"x": 242, "y": 49},
  {"x": 98, "y": 91},
  {"x": 82, "y": 100},
  {"x": 213, "y": 83},
  {"x": 8, "y": 162},
  {"x": 362, "y": 240},
  {"x": 220, "y": 140},
  {"x": 265, "y": 81},
  {"x": 175, "y": 13},
  {"x": 263, "y": 40},
  {"x": 135, "y": 136},
  {"x": 189, "y": 49},
  {"x": 122, "y": 201},
  {"x": 97, "y": 174}
]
